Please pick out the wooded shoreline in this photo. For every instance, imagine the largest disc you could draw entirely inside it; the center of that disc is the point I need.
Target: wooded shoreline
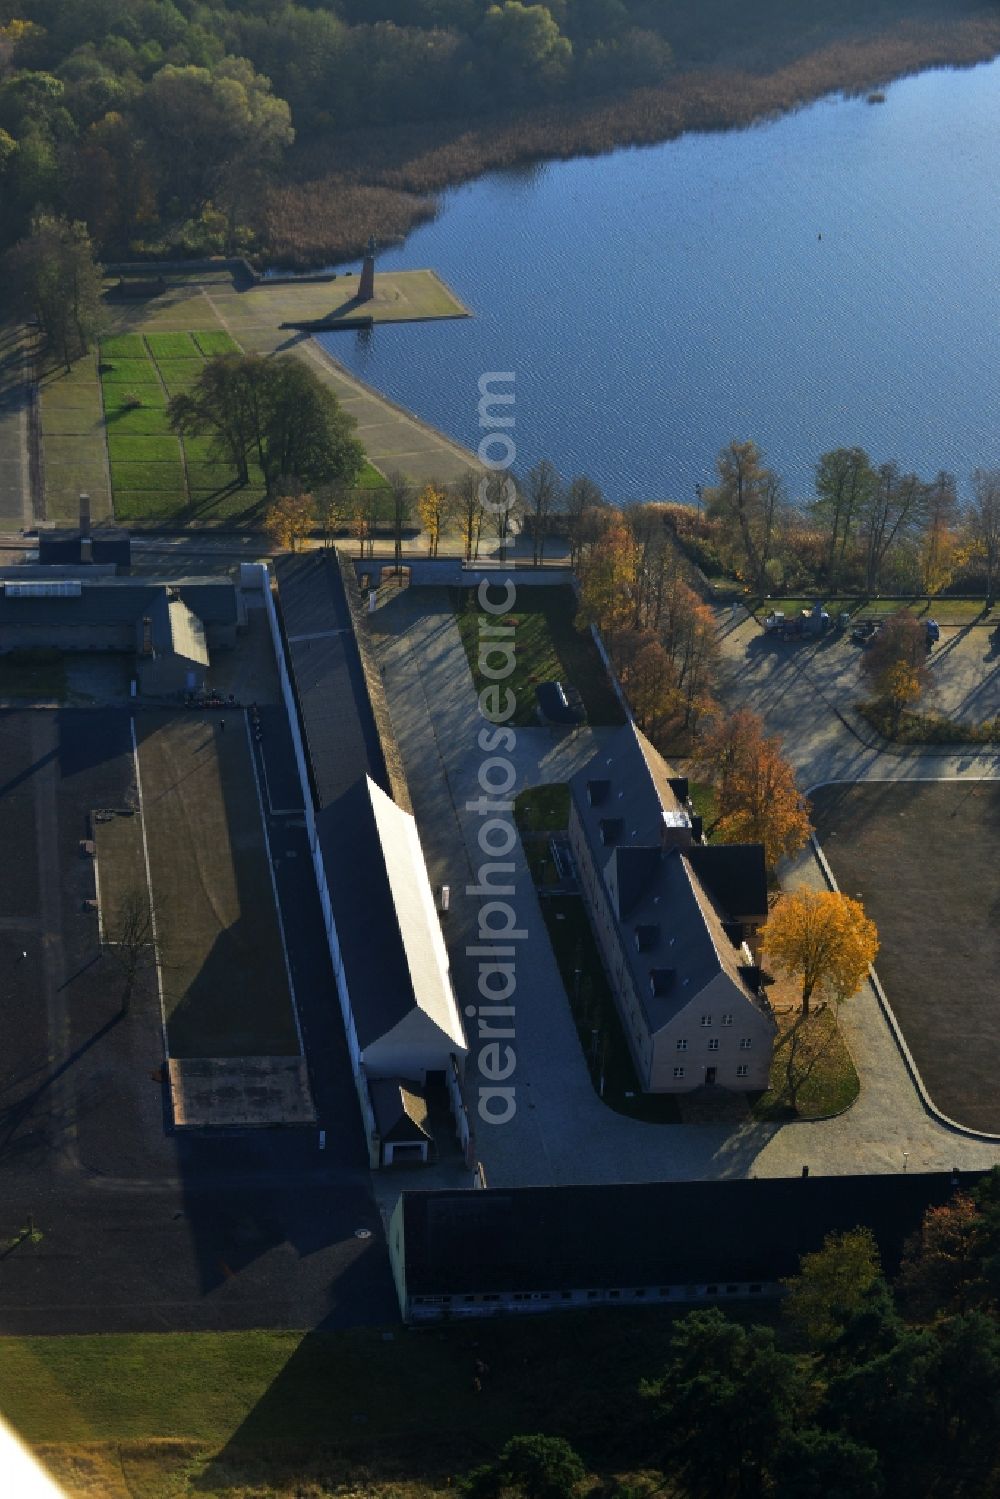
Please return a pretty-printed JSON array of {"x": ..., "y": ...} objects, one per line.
[{"x": 383, "y": 180}]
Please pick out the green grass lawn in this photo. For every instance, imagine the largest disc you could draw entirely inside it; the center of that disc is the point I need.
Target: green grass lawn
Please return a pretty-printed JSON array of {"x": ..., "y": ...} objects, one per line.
[
  {"x": 167, "y": 346},
  {"x": 123, "y": 346},
  {"x": 704, "y": 800},
  {"x": 130, "y": 448},
  {"x": 945, "y": 610},
  {"x": 831, "y": 1081},
  {"x": 33, "y": 674},
  {"x": 290, "y": 1414},
  {"x": 215, "y": 342},
  {"x": 547, "y": 646},
  {"x": 162, "y": 476},
  {"x": 542, "y": 809},
  {"x": 127, "y": 371}
]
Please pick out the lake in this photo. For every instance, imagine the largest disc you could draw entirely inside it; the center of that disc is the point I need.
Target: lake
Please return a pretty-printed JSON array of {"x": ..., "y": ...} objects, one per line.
[{"x": 829, "y": 278}]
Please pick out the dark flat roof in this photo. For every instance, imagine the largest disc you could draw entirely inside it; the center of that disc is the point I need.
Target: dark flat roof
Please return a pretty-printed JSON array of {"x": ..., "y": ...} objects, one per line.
[
  {"x": 342, "y": 740},
  {"x": 670, "y": 1233},
  {"x": 110, "y": 601}
]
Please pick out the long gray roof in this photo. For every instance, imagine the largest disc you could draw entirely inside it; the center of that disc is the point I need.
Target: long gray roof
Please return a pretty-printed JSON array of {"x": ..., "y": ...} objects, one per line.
[
  {"x": 671, "y": 933},
  {"x": 387, "y": 974}
]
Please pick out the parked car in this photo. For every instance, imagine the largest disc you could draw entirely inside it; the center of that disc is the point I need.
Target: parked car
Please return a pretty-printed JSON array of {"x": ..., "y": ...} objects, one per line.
[
  {"x": 865, "y": 632},
  {"x": 933, "y": 630}
]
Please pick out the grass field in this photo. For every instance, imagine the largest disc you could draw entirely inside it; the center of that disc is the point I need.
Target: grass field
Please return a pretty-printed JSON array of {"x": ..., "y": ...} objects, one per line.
[
  {"x": 156, "y": 477},
  {"x": 74, "y": 452},
  {"x": 945, "y": 610},
  {"x": 923, "y": 857},
  {"x": 36, "y": 674},
  {"x": 830, "y": 1080},
  {"x": 547, "y": 646},
  {"x": 225, "y": 987},
  {"x": 285, "y": 1415}
]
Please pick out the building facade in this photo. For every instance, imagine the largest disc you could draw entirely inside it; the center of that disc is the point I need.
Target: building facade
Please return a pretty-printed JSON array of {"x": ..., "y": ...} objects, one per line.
[{"x": 675, "y": 921}]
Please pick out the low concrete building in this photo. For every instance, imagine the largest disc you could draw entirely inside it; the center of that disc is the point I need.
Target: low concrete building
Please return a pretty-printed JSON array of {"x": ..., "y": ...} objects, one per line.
[
  {"x": 675, "y": 922},
  {"x": 170, "y": 628},
  {"x": 389, "y": 957},
  {"x": 543, "y": 1249}
]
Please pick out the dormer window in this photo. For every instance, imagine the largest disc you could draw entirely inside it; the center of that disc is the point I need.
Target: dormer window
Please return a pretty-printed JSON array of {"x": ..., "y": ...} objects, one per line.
[
  {"x": 611, "y": 829},
  {"x": 646, "y": 936},
  {"x": 597, "y": 792},
  {"x": 661, "y": 980}
]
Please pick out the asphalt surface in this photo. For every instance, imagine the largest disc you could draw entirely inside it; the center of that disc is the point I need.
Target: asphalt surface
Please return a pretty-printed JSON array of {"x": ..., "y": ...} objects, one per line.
[{"x": 140, "y": 1228}]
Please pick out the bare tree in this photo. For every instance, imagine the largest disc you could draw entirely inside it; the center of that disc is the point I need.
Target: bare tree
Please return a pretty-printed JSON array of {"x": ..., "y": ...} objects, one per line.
[
  {"x": 129, "y": 940},
  {"x": 896, "y": 506},
  {"x": 503, "y": 506},
  {"x": 585, "y": 511},
  {"x": 544, "y": 491},
  {"x": 984, "y": 524},
  {"x": 400, "y": 500},
  {"x": 469, "y": 509}
]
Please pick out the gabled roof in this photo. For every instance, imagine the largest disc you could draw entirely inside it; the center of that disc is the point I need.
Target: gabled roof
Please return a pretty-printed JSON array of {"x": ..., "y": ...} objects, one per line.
[
  {"x": 400, "y": 1110},
  {"x": 671, "y": 929}
]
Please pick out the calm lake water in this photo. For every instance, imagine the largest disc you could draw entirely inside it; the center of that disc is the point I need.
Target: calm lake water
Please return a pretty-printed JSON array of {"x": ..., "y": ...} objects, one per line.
[{"x": 828, "y": 278}]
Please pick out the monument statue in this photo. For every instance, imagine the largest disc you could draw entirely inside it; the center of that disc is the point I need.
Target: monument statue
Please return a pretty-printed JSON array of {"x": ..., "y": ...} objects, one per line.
[{"x": 366, "y": 286}]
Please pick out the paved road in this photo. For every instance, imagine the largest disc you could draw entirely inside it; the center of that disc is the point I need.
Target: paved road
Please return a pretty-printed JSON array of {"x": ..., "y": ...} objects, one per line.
[{"x": 561, "y": 1132}]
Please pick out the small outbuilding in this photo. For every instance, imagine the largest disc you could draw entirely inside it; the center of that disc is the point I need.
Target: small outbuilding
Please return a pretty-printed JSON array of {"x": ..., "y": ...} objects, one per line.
[{"x": 400, "y": 1109}]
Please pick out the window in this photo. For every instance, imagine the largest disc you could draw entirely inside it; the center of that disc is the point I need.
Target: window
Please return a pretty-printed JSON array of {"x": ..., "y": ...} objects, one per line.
[
  {"x": 706, "y": 1020},
  {"x": 745, "y": 1043},
  {"x": 742, "y": 1071},
  {"x": 678, "y": 1072},
  {"x": 682, "y": 1046},
  {"x": 713, "y": 1045},
  {"x": 727, "y": 1020}
]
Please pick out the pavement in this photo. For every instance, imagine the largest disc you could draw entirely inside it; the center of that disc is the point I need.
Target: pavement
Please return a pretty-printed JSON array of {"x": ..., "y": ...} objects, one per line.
[{"x": 561, "y": 1133}]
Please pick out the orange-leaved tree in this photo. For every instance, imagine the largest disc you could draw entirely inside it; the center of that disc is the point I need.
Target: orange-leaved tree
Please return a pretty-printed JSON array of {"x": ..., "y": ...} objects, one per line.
[
  {"x": 758, "y": 800},
  {"x": 289, "y": 519},
  {"x": 434, "y": 506},
  {"x": 823, "y": 936}
]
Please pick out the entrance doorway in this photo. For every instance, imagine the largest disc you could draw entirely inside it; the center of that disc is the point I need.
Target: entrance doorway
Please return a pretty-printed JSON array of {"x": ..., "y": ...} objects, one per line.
[{"x": 710, "y": 1075}]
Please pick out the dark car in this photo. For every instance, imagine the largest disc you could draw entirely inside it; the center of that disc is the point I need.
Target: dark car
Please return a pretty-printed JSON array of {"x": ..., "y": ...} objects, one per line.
[{"x": 865, "y": 632}]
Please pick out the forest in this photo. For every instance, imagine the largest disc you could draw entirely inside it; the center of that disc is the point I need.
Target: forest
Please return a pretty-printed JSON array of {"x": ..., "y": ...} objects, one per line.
[{"x": 192, "y": 127}]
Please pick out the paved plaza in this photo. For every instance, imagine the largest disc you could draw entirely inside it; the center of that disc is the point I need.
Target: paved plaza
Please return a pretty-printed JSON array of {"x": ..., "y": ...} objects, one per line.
[{"x": 561, "y": 1132}]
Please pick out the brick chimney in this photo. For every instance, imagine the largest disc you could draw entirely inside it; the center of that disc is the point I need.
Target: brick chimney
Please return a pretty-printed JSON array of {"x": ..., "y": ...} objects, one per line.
[{"x": 85, "y": 516}]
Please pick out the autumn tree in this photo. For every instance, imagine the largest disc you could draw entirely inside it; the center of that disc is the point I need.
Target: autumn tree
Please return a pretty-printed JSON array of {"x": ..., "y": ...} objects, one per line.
[
  {"x": 895, "y": 663},
  {"x": 434, "y": 508},
  {"x": 758, "y": 800},
  {"x": 607, "y": 583},
  {"x": 128, "y": 940},
  {"x": 937, "y": 561},
  {"x": 823, "y": 936},
  {"x": 984, "y": 525},
  {"x": 289, "y": 520},
  {"x": 831, "y": 1285}
]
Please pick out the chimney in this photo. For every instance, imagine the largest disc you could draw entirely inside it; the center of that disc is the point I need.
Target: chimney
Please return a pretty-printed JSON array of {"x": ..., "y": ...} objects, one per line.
[
  {"x": 147, "y": 635},
  {"x": 85, "y": 517}
]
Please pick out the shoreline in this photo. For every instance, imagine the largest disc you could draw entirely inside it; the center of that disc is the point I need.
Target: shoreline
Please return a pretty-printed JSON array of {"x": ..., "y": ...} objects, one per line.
[{"x": 385, "y": 180}]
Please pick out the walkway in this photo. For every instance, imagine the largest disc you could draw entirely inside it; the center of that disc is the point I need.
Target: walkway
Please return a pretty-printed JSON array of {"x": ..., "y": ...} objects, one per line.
[
  {"x": 561, "y": 1132},
  {"x": 16, "y": 510}
]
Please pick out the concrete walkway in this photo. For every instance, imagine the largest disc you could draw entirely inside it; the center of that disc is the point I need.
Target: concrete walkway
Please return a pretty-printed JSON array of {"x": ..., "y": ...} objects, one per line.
[
  {"x": 561, "y": 1132},
  {"x": 16, "y": 510}
]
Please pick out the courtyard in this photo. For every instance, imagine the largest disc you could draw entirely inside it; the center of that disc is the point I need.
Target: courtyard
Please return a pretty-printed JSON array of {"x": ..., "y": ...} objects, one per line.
[{"x": 922, "y": 855}]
